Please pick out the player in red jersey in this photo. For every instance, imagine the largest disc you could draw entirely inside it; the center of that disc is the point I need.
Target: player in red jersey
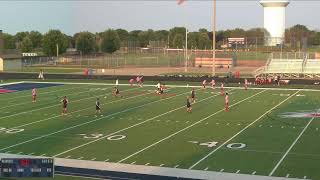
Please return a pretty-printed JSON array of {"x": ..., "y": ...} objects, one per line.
[
  {"x": 131, "y": 81},
  {"x": 204, "y": 83},
  {"x": 222, "y": 89},
  {"x": 34, "y": 95},
  {"x": 227, "y": 102},
  {"x": 64, "y": 105},
  {"x": 245, "y": 84},
  {"x": 213, "y": 84}
]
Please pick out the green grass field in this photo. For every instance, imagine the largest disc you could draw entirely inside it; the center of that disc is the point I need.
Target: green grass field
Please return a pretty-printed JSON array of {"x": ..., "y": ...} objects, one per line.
[{"x": 257, "y": 136}]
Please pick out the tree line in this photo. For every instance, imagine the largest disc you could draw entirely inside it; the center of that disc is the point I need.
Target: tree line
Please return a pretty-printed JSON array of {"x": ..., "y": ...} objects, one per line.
[{"x": 110, "y": 40}]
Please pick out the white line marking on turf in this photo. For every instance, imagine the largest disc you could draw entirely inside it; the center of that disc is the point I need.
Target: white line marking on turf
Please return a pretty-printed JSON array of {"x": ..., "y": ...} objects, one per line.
[
  {"x": 31, "y": 154},
  {"x": 223, "y": 144},
  {"x": 176, "y": 166},
  {"x": 7, "y": 152},
  {"x": 106, "y": 160},
  {"x": 161, "y": 165},
  {"x": 197, "y": 122},
  {"x": 237, "y": 171},
  {"x": 146, "y": 164},
  {"x": 67, "y": 157},
  {"x": 206, "y": 169},
  {"x": 287, "y": 175},
  {"x": 254, "y": 172},
  {"x": 133, "y": 162},
  {"x": 292, "y": 145},
  {"x": 304, "y": 177},
  {"x": 43, "y": 154},
  {"x": 80, "y": 158},
  {"x": 88, "y": 122},
  {"x": 93, "y": 159},
  {"x": 137, "y": 124},
  {"x": 19, "y": 152},
  {"x": 221, "y": 170}
]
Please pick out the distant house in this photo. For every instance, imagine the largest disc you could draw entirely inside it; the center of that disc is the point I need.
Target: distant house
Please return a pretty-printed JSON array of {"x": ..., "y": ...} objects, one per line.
[{"x": 10, "y": 62}]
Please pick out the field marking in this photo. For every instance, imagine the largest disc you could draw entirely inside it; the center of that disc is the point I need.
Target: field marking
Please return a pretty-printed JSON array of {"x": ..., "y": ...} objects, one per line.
[
  {"x": 47, "y": 98},
  {"x": 72, "y": 112},
  {"x": 183, "y": 86},
  {"x": 137, "y": 124},
  {"x": 249, "y": 125},
  {"x": 88, "y": 122},
  {"x": 47, "y": 107},
  {"x": 190, "y": 126},
  {"x": 292, "y": 145}
]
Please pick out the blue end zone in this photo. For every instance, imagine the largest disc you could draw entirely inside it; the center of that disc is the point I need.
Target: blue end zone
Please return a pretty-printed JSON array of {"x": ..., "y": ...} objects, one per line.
[{"x": 26, "y": 86}]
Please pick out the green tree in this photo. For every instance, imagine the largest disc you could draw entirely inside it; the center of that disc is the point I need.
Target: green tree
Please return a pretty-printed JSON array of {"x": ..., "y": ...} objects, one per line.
[
  {"x": 8, "y": 41},
  {"x": 26, "y": 45},
  {"x": 204, "y": 41},
  {"x": 36, "y": 39},
  {"x": 110, "y": 41},
  {"x": 178, "y": 41},
  {"x": 50, "y": 41},
  {"x": 173, "y": 32},
  {"x": 85, "y": 42},
  {"x": 145, "y": 36},
  {"x": 161, "y": 35},
  {"x": 193, "y": 40},
  {"x": 21, "y": 35},
  {"x": 134, "y": 35},
  {"x": 123, "y": 34}
]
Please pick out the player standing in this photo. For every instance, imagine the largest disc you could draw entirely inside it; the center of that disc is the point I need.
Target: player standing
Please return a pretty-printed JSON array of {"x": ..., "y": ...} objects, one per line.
[
  {"x": 34, "y": 95},
  {"x": 131, "y": 81},
  {"x": 222, "y": 89},
  {"x": 98, "y": 109},
  {"x": 227, "y": 102},
  {"x": 117, "y": 82},
  {"x": 64, "y": 105},
  {"x": 213, "y": 84},
  {"x": 246, "y": 84},
  {"x": 41, "y": 76},
  {"x": 204, "y": 83},
  {"x": 189, "y": 108},
  {"x": 116, "y": 92},
  {"x": 193, "y": 95},
  {"x": 158, "y": 88}
]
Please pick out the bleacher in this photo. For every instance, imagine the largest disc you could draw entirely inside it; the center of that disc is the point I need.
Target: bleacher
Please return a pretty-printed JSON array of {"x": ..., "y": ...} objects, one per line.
[
  {"x": 312, "y": 68},
  {"x": 287, "y": 67}
]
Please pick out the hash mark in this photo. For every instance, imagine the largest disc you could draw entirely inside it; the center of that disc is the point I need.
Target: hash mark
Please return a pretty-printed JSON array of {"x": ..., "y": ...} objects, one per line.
[
  {"x": 176, "y": 166},
  {"x": 260, "y": 125},
  {"x": 287, "y": 175},
  {"x": 133, "y": 162},
  {"x": 228, "y": 124},
  {"x": 93, "y": 159},
  {"x": 254, "y": 172},
  {"x": 238, "y": 171},
  {"x": 304, "y": 177},
  {"x": 217, "y": 123},
  {"x": 106, "y": 160},
  {"x": 147, "y": 164},
  {"x": 161, "y": 165},
  {"x": 80, "y": 158},
  {"x": 19, "y": 153},
  {"x": 206, "y": 169},
  {"x": 43, "y": 154},
  {"x": 7, "y": 152},
  {"x": 31, "y": 153},
  {"x": 67, "y": 157},
  {"x": 221, "y": 170}
]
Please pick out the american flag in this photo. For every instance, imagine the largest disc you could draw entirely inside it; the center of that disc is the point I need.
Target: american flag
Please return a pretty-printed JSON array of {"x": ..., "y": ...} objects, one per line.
[{"x": 180, "y": 2}]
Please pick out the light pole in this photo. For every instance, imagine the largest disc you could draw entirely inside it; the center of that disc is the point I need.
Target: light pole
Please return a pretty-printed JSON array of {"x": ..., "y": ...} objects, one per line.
[
  {"x": 214, "y": 37},
  {"x": 186, "y": 52}
]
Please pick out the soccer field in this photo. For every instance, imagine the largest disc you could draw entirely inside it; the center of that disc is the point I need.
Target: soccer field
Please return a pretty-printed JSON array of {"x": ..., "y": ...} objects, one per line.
[{"x": 269, "y": 132}]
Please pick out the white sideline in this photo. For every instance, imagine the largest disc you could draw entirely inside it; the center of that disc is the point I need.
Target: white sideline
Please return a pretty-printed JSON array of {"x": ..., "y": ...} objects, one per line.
[
  {"x": 223, "y": 144},
  {"x": 203, "y": 119},
  {"x": 186, "y": 86},
  {"x": 6, "y": 84},
  {"x": 292, "y": 145},
  {"x": 137, "y": 124},
  {"x": 78, "y": 125}
]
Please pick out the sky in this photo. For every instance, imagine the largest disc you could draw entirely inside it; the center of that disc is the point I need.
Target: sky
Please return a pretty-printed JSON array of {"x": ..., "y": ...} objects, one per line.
[{"x": 95, "y": 16}]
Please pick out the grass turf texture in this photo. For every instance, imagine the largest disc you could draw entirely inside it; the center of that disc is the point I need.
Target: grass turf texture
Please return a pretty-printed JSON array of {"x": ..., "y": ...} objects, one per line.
[{"x": 144, "y": 128}]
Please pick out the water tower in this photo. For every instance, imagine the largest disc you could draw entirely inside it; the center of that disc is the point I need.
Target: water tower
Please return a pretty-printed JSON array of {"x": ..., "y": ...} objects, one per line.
[{"x": 274, "y": 20}]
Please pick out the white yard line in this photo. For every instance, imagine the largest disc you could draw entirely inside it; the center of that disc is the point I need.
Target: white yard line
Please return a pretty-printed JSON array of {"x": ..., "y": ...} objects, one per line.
[
  {"x": 137, "y": 124},
  {"x": 290, "y": 148},
  {"x": 186, "y": 86},
  {"x": 58, "y": 104},
  {"x": 188, "y": 127},
  {"x": 88, "y": 122},
  {"x": 223, "y": 144},
  {"x": 53, "y": 117}
]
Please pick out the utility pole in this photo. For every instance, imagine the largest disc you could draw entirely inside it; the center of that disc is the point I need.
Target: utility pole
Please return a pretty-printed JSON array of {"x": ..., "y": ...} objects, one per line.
[
  {"x": 214, "y": 37},
  {"x": 186, "y": 52}
]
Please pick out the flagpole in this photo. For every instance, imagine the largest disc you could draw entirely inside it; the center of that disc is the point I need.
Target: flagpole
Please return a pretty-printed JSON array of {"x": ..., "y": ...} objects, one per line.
[{"x": 214, "y": 37}]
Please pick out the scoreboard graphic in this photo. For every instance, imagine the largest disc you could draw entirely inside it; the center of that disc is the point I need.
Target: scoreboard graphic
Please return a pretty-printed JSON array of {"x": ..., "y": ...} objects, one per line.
[{"x": 27, "y": 167}]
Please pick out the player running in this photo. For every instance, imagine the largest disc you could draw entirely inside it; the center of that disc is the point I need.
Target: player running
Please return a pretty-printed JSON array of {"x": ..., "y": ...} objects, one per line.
[
  {"x": 139, "y": 80},
  {"x": 213, "y": 84},
  {"x": 158, "y": 88},
  {"x": 34, "y": 95},
  {"x": 64, "y": 105},
  {"x": 98, "y": 109},
  {"x": 245, "y": 84},
  {"x": 193, "y": 95},
  {"x": 204, "y": 83},
  {"x": 189, "y": 108},
  {"x": 222, "y": 89},
  {"x": 227, "y": 102}
]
